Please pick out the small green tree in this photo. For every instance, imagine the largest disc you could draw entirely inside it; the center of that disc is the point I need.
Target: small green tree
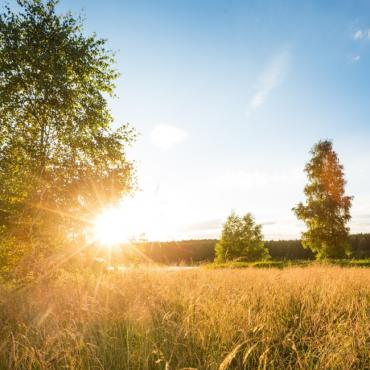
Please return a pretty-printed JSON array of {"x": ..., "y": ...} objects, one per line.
[
  {"x": 241, "y": 237},
  {"x": 327, "y": 209},
  {"x": 60, "y": 160}
]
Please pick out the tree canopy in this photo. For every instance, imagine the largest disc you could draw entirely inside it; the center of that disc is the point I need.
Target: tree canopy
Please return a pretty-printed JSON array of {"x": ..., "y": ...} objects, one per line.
[
  {"x": 327, "y": 209},
  {"x": 241, "y": 238},
  {"x": 60, "y": 159}
]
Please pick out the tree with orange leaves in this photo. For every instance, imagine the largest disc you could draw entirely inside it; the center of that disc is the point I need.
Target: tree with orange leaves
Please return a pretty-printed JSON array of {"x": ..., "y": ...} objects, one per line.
[{"x": 327, "y": 209}]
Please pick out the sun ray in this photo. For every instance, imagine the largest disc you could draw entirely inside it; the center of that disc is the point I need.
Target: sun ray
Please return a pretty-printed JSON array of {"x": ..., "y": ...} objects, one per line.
[{"x": 109, "y": 228}]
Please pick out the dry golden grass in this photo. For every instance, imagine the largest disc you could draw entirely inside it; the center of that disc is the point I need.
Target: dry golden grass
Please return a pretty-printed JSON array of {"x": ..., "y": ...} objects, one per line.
[{"x": 296, "y": 318}]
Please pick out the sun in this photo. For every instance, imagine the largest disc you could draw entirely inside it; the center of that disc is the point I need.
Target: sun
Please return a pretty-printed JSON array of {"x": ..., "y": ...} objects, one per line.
[
  {"x": 132, "y": 219},
  {"x": 110, "y": 228}
]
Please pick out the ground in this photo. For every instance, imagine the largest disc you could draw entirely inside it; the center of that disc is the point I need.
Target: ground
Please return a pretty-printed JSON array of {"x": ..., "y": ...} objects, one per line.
[{"x": 316, "y": 317}]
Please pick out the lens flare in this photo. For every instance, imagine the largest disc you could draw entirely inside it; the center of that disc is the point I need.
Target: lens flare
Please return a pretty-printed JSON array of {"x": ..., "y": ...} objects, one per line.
[{"x": 109, "y": 228}]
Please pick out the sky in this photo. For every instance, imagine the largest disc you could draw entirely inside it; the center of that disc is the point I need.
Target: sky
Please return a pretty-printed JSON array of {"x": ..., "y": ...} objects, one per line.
[{"x": 228, "y": 97}]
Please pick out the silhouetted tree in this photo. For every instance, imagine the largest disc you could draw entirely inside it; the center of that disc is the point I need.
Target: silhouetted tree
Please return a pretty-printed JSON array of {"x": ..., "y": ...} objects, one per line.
[
  {"x": 327, "y": 209},
  {"x": 241, "y": 237}
]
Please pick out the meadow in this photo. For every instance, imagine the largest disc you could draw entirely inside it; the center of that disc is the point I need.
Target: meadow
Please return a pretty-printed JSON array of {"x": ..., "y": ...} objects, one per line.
[{"x": 316, "y": 317}]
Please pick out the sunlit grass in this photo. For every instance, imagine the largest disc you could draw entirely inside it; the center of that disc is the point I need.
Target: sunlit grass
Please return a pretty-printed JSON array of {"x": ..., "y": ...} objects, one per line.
[{"x": 296, "y": 318}]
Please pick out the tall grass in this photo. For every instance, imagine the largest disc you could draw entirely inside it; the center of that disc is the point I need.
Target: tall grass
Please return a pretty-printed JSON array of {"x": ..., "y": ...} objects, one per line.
[{"x": 297, "y": 318}]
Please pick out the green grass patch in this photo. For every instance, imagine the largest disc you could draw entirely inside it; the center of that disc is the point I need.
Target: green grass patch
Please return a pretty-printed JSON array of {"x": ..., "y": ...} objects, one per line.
[{"x": 289, "y": 263}]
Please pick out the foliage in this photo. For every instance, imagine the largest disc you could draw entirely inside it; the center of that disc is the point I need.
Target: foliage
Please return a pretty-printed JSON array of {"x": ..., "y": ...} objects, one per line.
[
  {"x": 288, "y": 250},
  {"x": 175, "y": 252},
  {"x": 360, "y": 245},
  {"x": 241, "y": 237},
  {"x": 197, "y": 251},
  {"x": 315, "y": 317},
  {"x": 59, "y": 158},
  {"x": 327, "y": 211}
]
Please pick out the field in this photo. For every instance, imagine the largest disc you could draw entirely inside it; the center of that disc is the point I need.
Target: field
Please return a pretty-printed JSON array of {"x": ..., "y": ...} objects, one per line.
[{"x": 315, "y": 317}]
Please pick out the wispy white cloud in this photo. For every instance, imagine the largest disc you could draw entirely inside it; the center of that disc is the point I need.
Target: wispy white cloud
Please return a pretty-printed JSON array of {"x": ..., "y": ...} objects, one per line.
[
  {"x": 271, "y": 77},
  {"x": 358, "y": 35},
  {"x": 356, "y": 58},
  {"x": 166, "y": 137},
  {"x": 362, "y": 34},
  {"x": 204, "y": 225},
  {"x": 249, "y": 180}
]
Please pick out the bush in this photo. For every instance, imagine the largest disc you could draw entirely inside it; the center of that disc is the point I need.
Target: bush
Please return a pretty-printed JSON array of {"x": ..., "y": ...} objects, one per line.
[{"x": 241, "y": 238}]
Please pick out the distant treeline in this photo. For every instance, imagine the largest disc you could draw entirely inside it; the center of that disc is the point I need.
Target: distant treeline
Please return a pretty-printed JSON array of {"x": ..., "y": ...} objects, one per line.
[{"x": 194, "y": 251}]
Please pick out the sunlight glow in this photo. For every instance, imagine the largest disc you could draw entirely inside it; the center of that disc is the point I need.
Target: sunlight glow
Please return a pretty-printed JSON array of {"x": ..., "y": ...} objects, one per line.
[
  {"x": 144, "y": 216},
  {"x": 108, "y": 228}
]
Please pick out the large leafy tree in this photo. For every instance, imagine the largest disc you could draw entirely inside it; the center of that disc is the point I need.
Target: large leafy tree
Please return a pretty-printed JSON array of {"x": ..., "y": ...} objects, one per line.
[
  {"x": 241, "y": 238},
  {"x": 327, "y": 209},
  {"x": 59, "y": 157}
]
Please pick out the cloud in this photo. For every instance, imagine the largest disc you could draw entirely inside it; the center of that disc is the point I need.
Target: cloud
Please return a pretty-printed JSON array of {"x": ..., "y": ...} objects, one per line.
[
  {"x": 270, "y": 78},
  {"x": 358, "y": 35},
  {"x": 268, "y": 223},
  {"x": 251, "y": 180},
  {"x": 205, "y": 225},
  {"x": 365, "y": 216},
  {"x": 356, "y": 58},
  {"x": 362, "y": 34},
  {"x": 166, "y": 137}
]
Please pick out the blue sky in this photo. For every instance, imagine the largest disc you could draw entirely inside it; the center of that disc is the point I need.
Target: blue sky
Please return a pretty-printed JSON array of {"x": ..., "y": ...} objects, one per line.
[{"x": 229, "y": 97}]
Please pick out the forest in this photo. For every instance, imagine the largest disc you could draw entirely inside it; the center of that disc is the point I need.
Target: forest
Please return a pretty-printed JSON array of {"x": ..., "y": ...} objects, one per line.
[{"x": 198, "y": 251}]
